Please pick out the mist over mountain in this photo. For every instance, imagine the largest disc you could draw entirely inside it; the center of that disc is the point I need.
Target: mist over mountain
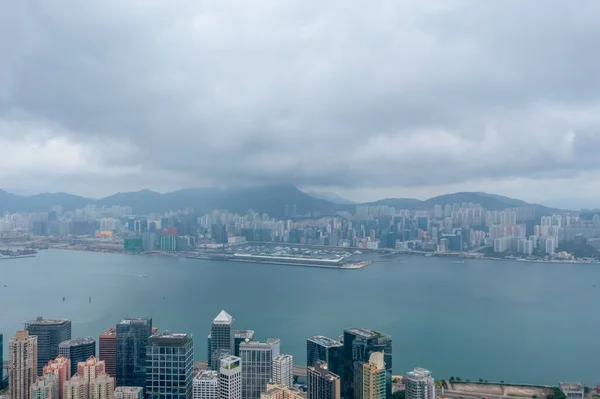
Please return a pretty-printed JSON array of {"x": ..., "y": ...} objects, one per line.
[{"x": 282, "y": 200}]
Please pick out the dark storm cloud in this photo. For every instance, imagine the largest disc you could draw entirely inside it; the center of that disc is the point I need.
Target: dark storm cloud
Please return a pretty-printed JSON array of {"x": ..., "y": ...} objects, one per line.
[{"x": 350, "y": 94}]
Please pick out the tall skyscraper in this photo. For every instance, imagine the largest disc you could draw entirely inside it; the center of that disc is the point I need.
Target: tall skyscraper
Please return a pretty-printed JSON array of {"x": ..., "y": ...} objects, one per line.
[
  {"x": 283, "y": 370},
  {"x": 257, "y": 359},
  {"x": 50, "y": 333},
  {"x": 322, "y": 383},
  {"x": 279, "y": 391},
  {"x": 132, "y": 340},
  {"x": 91, "y": 381},
  {"x": 61, "y": 368},
  {"x": 45, "y": 387},
  {"x": 240, "y": 336},
  {"x": 419, "y": 384},
  {"x": 359, "y": 343},
  {"x": 129, "y": 393},
  {"x": 22, "y": 365},
  {"x": 221, "y": 338},
  {"x": 170, "y": 366},
  {"x": 373, "y": 378},
  {"x": 323, "y": 349},
  {"x": 107, "y": 350},
  {"x": 230, "y": 378},
  {"x": 77, "y": 350},
  {"x": 206, "y": 384}
]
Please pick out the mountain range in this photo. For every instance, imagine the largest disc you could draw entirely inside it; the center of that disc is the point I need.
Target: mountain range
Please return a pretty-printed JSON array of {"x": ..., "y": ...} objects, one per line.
[{"x": 268, "y": 199}]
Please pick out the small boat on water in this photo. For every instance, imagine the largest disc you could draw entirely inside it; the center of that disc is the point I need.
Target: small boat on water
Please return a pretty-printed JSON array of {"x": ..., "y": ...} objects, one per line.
[
  {"x": 458, "y": 261},
  {"x": 143, "y": 275}
]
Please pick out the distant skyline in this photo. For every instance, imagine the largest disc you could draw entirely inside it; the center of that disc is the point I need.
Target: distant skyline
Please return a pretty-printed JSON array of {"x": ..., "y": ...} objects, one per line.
[{"x": 364, "y": 99}]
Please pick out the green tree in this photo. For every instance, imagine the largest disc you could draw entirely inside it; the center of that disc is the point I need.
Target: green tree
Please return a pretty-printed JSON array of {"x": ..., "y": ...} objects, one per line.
[
  {"x": 451, "y": 378},
  {"x": 481, "y": 380},
  {"x": 501, "y": 381}
]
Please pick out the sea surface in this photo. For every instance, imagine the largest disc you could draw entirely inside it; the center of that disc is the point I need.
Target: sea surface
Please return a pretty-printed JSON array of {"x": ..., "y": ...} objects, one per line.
[{"x": 518, "y": 322}]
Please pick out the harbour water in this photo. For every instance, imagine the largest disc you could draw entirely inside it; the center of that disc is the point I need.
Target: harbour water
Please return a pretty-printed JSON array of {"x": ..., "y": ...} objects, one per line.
[{"x": 512, "y": 321}]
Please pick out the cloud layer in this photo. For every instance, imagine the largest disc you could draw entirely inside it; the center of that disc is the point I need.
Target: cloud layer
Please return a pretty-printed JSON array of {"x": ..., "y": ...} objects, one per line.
[{"x": 388, "y": 97}]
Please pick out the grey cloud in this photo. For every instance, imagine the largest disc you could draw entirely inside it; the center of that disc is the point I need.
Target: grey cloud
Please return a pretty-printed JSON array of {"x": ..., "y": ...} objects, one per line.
[{"x": 349, "y": 94}]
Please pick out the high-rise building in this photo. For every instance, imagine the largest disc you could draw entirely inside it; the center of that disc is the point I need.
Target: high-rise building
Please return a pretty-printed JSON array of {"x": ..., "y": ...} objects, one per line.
[
  {"x": 279, "y": 391},
  {"x": 359, "y": 343},
  {"x": 107, "y": 350},
  {"x": 205, "y": 385},
  {"x": 129, "y": 393},
  {"x": 77, "y": 350},
  {"x": 323, "y": 349},
  {"x": 322, "y": 383},
  {"x": 132, "y": 340},
  {"x": 283, "y": 370},
  {"x": 101, "y": 387},
  {"x": 419, "y": 384},
  {"x": 170, "y": 366},
  {"x": 1, "y": 364},
  {"x": 60, "y": 367},
  {"x": 240, "y": 336},
  {"x": 257, "y": 359},
  {"x": 230, "y": 378},
  {"x": 91, "y": 368},
  {"x": 50, "y": 333},
  {"x": 221, "y": 339},
  {"x": 373, "y": 377},
  {"x": 22, "y": 365},
  {"x": 75, "y": 388},
  {"x": 45, "y": 387}
]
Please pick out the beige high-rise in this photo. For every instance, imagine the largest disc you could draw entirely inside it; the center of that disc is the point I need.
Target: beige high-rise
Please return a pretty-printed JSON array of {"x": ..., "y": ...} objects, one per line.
[
  {"x": 280, "y": 391},
  {"x": 45, "y": 387},
  {"x": 61, "y": 367},
  {"x": 373, "y": 377},
  {"x": 22, "y": 365},
  {"x": 90, "y": 382}
]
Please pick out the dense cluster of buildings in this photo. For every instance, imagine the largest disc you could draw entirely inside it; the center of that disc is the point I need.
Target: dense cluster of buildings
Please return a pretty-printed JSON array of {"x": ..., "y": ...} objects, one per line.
[
  {"x": 445, "y": 228},
  {"x": 135, "y": 360}
]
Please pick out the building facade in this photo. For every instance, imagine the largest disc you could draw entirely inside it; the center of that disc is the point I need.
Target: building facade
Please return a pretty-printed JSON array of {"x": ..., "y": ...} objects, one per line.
[
  {"x": 101, "y": 387},
  {"x": 75, "y": 388},
  {"x": 132, "y": 340},
  {"x": 61, "y": 368},
  {"x": 419, "y": 384},
  {"x": 107, "y": 350},
  {"x": 359, "y": 344},
  {"x": 50, "y": 333},
  {"x": 283, "y": 370},
  {"x": 77, "y": 350},
  {"x": 22, "y": 365},
  {"x": 230, "y": 378},
  {"x": 373, "y": 377},
  {"x": 205, "y": 385},
  {"x": 45, "y": 387},
  {"x": 129, "y": 393},
  {"x": 170, "y": 366},
  {"x": 323, "y": 349},
  {"x": 221, "y": 340},
  {"x": 240, "y": 336},
  {"x": 322, "y": 383},
  {"x": 257, "y": 359}
]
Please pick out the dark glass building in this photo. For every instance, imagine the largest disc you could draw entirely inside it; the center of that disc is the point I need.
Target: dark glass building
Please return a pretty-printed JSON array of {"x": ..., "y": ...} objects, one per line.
[
  {"x": 221, "y": 339},
  {"x": 132, "y": 340},
  {"x": 240, "y": 336},
  {"x": 327, "y": 350},
  {"x": 359, "y": 343},
  {"x": 169, "y": 366},
  {"x": 49, "y": 333},
  {"x": 322, "y": 383},
  {"x": 77, "y": 350}
]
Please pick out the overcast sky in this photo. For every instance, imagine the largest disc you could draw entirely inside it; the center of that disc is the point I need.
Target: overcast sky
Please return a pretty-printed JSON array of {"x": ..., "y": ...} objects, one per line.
[{"x": 368, "y": 99}]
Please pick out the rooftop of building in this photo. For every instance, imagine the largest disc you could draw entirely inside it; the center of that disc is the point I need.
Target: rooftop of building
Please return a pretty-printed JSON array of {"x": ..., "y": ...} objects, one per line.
[
  {"x": 323, "y": 371},
  {"x": 168, "y": 338},
  {"x": 367, "y": 333},
  {"x": 40, "y": 321},
  {"x": 418, "y": 374},
  {"x": 258, "y": 344},
  {"x": 283, "y": 356},
  {"x": 246, "y": 334},
  {"x": 134, "y": 390},
  {"x": 325, "y": 341},
  {"x": 571, "y": 386},
  {"x": 135, "y": 320},
  {"x": 223, "y": 318},
  {"x": 230, "y": 362},
  {"x": 111, "y": 332},
  {"x": 276, "y": 388},
  {"x": 207, "y": 375},
  {"x": 77, "y": 342}
]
